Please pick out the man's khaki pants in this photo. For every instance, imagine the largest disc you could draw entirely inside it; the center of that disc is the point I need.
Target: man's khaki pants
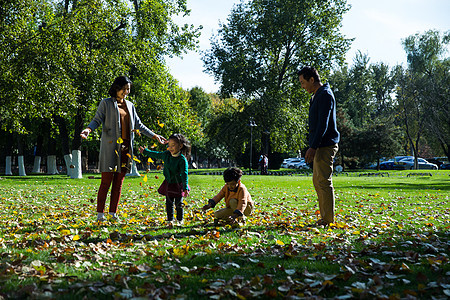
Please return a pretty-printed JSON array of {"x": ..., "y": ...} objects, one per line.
[
  {"x": 322, "y": 172},
  {"x": 227, "y": 212}
]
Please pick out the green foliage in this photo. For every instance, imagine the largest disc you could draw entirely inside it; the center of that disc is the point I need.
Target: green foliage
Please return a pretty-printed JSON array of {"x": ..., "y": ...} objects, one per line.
[
  {"x": 367, "y": 113},
  {"x": 61, "y": 57},
  {"x": 164, "y": 106},
  {"x": 423, "y": 88},
  {"x": 201, "y": 103},
  {"x": 256, "y": 53}
]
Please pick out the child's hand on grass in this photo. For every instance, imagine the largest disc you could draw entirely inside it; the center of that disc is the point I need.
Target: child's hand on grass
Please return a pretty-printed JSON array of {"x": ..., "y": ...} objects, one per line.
[
  {"x": 232, "y": 219},
  {"x": 206, "y": 207}
]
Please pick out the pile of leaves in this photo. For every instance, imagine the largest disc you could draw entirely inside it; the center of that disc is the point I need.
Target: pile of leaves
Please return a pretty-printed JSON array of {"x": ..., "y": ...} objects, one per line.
[{"x": 386, "y": 246}]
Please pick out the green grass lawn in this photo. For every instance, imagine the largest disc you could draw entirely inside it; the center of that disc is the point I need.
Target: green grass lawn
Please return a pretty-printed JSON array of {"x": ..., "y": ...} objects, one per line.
[{"x": 390, "y": 240}]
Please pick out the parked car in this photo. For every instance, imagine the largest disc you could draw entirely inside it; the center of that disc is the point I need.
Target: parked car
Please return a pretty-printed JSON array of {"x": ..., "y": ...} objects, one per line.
[
  {"x": 289, "y": 163},
  {"x": 408, "y": 164},
  {"x": 374, "y": 165},
  {"x": 393, "y": 163},
  {"x": 302, "y": 165},
  {"x": 285, "y": 163},
  {"x": 438, "y": 161},
  {"x": 387, "y": 165},
  {"x": 445, "y": 166}
]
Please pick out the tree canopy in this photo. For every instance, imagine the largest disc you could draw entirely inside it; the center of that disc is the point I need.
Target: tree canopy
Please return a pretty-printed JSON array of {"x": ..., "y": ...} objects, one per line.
[{"x": 256, "y": 53}]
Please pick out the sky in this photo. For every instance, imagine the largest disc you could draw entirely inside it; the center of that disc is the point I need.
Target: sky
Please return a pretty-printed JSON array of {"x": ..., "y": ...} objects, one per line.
[{"x": 378, "y": 27}]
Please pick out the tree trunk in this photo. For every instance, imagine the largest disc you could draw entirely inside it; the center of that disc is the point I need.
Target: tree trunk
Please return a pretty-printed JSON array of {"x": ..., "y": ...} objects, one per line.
[
  {"x": 134, "y": 171},
  {"x": 64, "y": 137},
  {"x": 9, "y": 145},
  {"x": 76, "y": 171},
  {"x": 52, "y": 169},
  {"x": 37, "y": 155},
  {"x": 20, "y": 158}
]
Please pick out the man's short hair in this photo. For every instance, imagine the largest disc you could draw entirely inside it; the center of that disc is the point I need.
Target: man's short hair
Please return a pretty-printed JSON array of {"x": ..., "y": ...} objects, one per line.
[
  {"x": 308, "y": 72},
  {"x": 231, "y": 174}
]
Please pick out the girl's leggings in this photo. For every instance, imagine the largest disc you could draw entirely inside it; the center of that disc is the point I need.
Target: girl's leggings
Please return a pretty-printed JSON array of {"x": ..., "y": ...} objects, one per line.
[{"x": 178, "y": 201}]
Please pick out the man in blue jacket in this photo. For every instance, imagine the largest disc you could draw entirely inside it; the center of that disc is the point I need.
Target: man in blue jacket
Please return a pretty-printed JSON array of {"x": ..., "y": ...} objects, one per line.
[{"x": 323, "y": 140}]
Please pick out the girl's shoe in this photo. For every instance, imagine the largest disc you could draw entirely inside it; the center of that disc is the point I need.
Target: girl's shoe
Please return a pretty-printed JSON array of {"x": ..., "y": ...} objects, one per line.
[
  {"x": 169, "y": 224},
  {"x": 101, "y": 219},
  {"x": 114, "y": 217}
]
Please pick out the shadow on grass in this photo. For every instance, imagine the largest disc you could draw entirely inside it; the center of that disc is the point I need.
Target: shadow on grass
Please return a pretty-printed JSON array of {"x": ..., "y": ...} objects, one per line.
[
  {"x": 443, "y": 185},
  {"x": 370, "y": 265}
]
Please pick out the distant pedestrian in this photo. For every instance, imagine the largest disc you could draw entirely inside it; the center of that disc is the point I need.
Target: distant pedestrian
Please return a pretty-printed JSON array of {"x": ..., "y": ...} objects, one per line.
[
  {"x": 323, "y": 140},
  {"x": 238, "y": 202},
  {"x": 119, "y": 121},
  {"x": 175, "y": 185},
  {"x": 263, "y": 163}
]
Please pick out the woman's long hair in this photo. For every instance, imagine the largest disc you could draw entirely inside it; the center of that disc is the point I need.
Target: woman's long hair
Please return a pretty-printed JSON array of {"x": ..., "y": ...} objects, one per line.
[{"x": 118, "y": 84}]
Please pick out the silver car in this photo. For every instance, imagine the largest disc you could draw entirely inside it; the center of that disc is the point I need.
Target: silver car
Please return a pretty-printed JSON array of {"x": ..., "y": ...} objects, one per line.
[
  {"x": 289, "y": 163},
  {"x": 408, "y": 164}
]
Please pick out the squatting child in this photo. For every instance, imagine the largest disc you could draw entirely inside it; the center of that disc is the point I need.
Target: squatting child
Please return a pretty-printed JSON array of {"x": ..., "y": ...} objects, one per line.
[
  {"x": 175, "y": 185},
  {"x": 238, "y": 202}
]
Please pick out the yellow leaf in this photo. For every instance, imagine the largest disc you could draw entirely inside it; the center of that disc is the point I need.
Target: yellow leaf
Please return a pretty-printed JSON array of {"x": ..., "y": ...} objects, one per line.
[
  {"x": 153, "y": 146},
  {"x": 160, "y": 124},
  {"x": 150, "y": 160},
  {"x": 327, "y": 283},
  {"x": 65, "y": 232},
  {"x": 240, "y": 296},
  {"x": 119, "y": 141},
  {"x": 117, "y": 153},
  {"x": 129, "y": 155},
  {"x": 137, "y": 160},
  {"x": 179, "y": 252},
  {"x": 356, "y": 232},
  {"x": 75, "y": 237},
  {"x": 278, "y": 242},
  {"x": 145, "y": 178}
]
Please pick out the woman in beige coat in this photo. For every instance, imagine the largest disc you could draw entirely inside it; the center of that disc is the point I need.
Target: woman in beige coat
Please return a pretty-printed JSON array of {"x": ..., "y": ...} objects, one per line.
[{"x": 119, "y": 122}]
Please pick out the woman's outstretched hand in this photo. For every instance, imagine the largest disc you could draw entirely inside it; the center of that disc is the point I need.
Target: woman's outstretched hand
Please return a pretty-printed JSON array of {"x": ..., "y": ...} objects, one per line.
[
  {"x": 84, "y": 134},
  {"x": 160, "y": 139}
]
